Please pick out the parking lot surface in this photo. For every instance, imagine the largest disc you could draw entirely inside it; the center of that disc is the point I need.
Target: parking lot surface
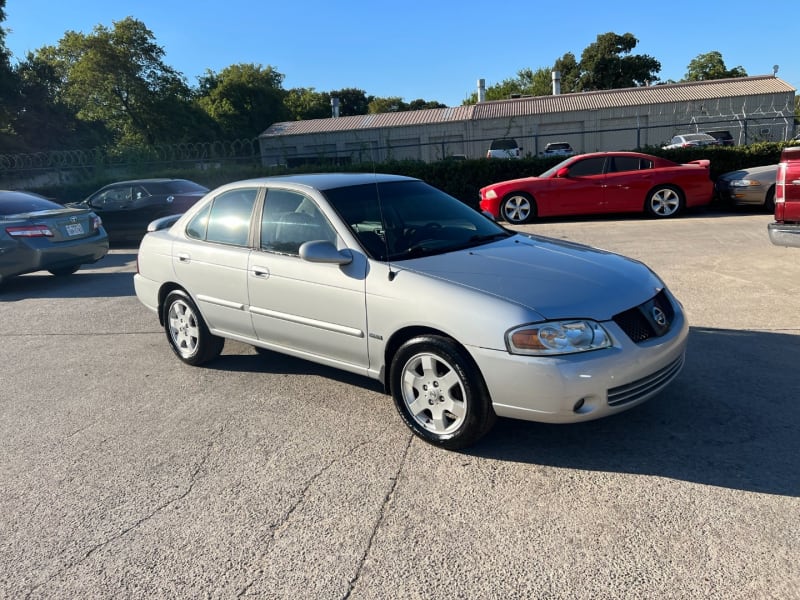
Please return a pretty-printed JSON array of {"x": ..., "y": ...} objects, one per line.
[{"x": 127, "y": 474}]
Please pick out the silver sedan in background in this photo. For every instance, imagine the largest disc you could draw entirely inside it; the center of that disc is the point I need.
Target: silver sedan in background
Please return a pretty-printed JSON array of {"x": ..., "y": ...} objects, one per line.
[
  {"x": 388, "y": 277},
  {"x": 754, "y": 186}
]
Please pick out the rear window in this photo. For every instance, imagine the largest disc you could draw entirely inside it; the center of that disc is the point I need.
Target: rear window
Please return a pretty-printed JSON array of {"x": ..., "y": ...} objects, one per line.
[
  {"x": 14, "y": 203},
  {"x": 559, "y": 146},
  {"x": 506, "y": 144}
]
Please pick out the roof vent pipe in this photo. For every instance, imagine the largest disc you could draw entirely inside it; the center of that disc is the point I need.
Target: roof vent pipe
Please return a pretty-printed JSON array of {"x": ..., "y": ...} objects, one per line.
[
  {"x": 481, "y": 90},
  {"x": 335, "y": 107},
  {"x": 556, "y": 83}
]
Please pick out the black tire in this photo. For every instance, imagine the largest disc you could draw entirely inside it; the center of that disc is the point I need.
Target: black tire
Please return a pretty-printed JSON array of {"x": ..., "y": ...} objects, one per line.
[
  {"x": 439, "y": 393},
  {"x": 769, "y": 200},
  {"x": 664, "y": 201},
  {"x": 187, "y": 333},
  {"x": 64, "y": 271},
  {"x": 518, "y": 208}
]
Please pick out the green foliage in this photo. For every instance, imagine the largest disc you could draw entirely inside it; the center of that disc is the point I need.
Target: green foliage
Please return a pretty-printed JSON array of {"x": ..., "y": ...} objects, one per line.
[
  {"x": 607, "y": 64},
  {"x": 307, "y": 103},
  {"x": 397, "y": 104},
  {"x": 243, "y": 99},
  {"x": 711, "y": 66}
]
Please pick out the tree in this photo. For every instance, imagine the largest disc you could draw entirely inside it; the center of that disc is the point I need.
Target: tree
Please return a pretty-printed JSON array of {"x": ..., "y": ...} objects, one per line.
[
  {"x": 44, "y": 121},
  {"x": 607, "y": 64},
  {"x": 396, "y": 104},
  {"x": 243, "y": 99},
  {"x": 352, "y": 101},
  {"x": 117, "y": 77},
  {"x": 8, "y": 83},
  {"x": 711, "y": 66},
  {"x": 526, "y": 83},
  {"x": 570, "y": 71},
  {"x": 307, "y": 103}
]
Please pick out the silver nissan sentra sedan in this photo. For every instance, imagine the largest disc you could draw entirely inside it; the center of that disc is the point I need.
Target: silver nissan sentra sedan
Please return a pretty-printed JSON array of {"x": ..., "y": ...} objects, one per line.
[{"x": 388, "y": 277}]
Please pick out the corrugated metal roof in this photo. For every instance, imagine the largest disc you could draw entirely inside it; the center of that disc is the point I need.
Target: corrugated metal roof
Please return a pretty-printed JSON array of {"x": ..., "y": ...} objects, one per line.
[
  {"x": 373, "y": 121},
  {"x": 637, "y": 96}
]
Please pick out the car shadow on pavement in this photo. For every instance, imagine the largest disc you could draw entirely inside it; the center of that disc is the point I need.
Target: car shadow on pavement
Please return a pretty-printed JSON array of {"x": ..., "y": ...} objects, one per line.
[
  {"x": 266, "y": 361},
  {"x": 80, "y": 285},
  {"x": 730, "y": 419}
]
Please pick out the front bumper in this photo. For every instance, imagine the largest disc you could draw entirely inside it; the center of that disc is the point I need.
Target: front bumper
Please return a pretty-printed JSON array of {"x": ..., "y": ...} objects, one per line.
[
  {"x": 585, "y": 386},
  {"x": 741, "y": 196},
  {"x": 784, "y": 234}
]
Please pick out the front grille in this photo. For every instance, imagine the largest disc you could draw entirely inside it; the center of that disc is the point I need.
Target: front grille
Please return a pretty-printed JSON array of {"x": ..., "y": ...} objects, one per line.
[
  {"x": 639, "y": 323},
  {"x": 646, "y": 385}
]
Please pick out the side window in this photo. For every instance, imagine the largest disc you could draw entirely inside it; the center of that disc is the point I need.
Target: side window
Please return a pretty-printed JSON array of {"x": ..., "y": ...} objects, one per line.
[
  {"x": 584, "y": 168},
  {"x": 627, "y": 163},
  {"x": 229, "y": 217},
  {"x": 199, "y": 224},
  {"x": 139, "y": 193},
  {"x": 113, "y": 197},
  {"x": 290, "y": 219}
]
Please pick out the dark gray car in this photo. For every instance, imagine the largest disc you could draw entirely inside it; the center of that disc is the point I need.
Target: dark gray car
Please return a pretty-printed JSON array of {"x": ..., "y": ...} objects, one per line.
[{"x": 37, "y": 234}]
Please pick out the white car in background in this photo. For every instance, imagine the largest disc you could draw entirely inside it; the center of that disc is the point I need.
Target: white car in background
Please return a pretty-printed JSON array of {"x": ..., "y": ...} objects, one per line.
[
  {"x": 504, "y": 148},
  {"x": 558, "y": 149},
  {"x": 690, "y": 140}
]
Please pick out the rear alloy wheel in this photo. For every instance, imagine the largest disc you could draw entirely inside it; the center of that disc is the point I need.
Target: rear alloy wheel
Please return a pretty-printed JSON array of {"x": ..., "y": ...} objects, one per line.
[
  {"x": 664, "y": 201},
  {"x": 64, "y": 271},
  {"x": 518, "y": 208},
  {"x": 439, "y": 393},
  {"x": 187, "y": 332}
]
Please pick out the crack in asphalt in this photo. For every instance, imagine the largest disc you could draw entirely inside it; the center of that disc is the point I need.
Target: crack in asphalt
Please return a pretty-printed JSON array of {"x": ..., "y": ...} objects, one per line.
[
  {"x": 387, "y": 499},
  {"x": 193, "y": 478},
  {"x": 301, "y": 496}
]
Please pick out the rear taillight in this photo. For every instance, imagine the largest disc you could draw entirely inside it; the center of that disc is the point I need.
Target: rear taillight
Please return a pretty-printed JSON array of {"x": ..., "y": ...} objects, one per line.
[
  {"x": 29, "y": 231},
  {"x": 96, "y": 222},
  {"x": 780, "y": 192}
]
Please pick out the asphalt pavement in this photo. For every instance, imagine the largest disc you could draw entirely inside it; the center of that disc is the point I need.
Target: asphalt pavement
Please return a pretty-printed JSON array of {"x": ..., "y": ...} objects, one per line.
[{"x": 127, "y": 474}]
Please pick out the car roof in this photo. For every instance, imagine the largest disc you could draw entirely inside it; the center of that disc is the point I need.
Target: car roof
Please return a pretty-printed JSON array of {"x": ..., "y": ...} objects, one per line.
[
  {"x": 146, "y": 181},
  {"x": 325, "y": 181}
]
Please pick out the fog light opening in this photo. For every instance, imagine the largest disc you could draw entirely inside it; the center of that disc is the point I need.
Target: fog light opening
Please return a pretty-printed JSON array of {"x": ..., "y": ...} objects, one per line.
[{"x": 579, "y": 405}]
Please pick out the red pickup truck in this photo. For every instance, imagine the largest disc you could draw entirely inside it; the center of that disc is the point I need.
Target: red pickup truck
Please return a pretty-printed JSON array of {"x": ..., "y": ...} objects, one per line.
[{"x": 785, "y": 231}]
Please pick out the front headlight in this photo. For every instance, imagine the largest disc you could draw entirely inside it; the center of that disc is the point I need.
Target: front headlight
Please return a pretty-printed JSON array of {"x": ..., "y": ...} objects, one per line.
[
  {"x": 490, "y": 194},
  {"x": 557, "y": 337},
  {"x": 744, "y": 183}
]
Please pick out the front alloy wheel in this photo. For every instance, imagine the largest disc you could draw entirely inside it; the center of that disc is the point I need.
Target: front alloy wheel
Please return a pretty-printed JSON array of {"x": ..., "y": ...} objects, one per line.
[
  {"x": 439, "y": 393},
  {"x": 186, "y": 331},
  {"x": 518, "y": 208}
]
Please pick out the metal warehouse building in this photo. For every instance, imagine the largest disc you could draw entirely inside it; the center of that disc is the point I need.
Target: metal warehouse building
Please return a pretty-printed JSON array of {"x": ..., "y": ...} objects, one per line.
[{"x": 759, "y": 108}]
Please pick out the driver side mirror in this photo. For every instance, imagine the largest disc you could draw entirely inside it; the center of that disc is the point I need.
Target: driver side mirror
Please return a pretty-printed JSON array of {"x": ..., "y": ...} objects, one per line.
[
  {"x": 563, "y": 172},
  {"x": 322, "y": 251}
]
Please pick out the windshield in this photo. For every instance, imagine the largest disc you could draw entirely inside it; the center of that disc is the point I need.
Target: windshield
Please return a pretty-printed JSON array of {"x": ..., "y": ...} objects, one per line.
[
  {"x": 552, "y": 170},
  {"x": 407, "y": 219}
]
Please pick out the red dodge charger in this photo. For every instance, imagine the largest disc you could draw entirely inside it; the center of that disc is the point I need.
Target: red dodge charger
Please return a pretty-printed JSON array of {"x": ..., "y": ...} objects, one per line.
[{"x": 602, "y": 182}]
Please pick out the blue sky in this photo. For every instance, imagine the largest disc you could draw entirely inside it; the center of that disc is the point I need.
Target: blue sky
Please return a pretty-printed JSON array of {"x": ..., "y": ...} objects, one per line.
[{"x": 433, "y": 50}]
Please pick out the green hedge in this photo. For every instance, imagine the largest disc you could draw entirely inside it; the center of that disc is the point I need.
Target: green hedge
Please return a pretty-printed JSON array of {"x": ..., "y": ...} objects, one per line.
[{"x": 460, "y": 178}]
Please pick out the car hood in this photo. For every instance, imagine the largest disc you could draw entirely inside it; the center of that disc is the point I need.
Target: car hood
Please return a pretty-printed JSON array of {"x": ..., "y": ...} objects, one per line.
[{"x": 556, "y": 279}]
